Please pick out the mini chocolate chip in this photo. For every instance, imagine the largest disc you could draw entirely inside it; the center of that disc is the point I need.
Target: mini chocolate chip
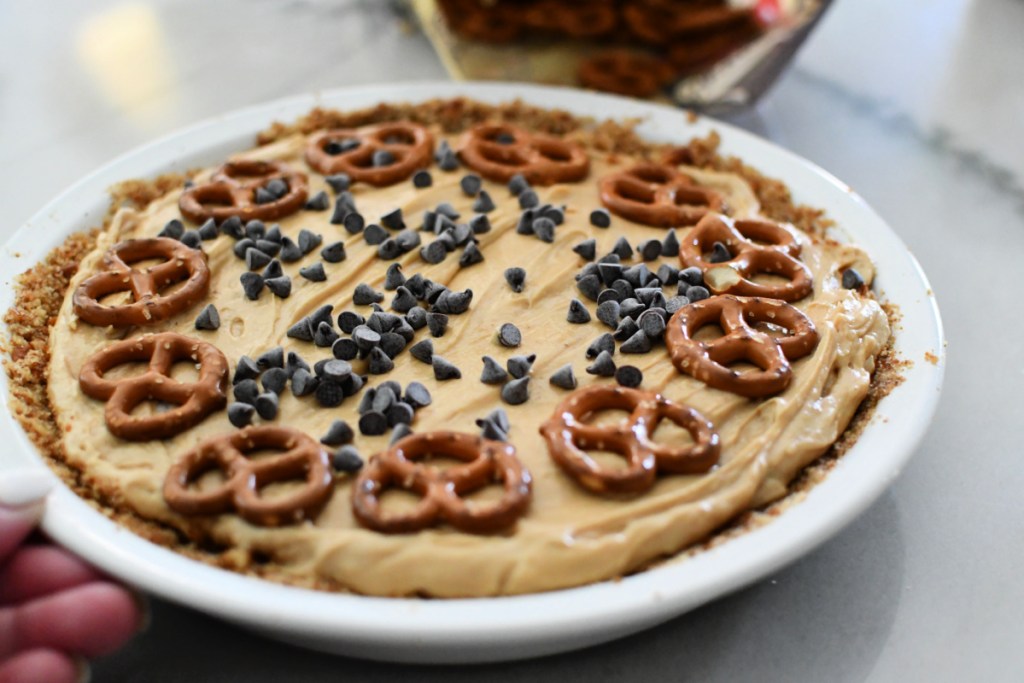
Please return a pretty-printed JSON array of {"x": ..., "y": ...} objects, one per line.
[
  {"x": 652, "y": 323},
  {"x": 246, "y": 391},
  {"x": 399, "y": 432},
  {"x": 447, "y": 210},
  {"x": 445, "y": 157},
  {"x": 622, "y": 249},
  {"x": 303, "y": 382},
  {"x": 638, "y": 343},
  {"x": 293, "y": 362},
  {"x": 336, "y": 370},
  {"x": 242, "y": 246},
  {"x": 631, "y": 308},
  {"x": 365, "y": 295},
  {"x": 518, "y": 184},
  {"x": 407, "y": 240},
  {"x": 589, "y": 286},
  {"x": 379, "y": 363},
  {"x": 366, "y": 402},
  {"x": 609, "y": 295},
  {"x": 391, "y": 385},
  {"x": 668, "y": 275},
  {"x": 233, "y": 228},
  {"x": 347, "y": 459},
  {"x": 484, "y": 203},
  {"x": 422, "y": 179},
  {"x": 525, "y": 224},
  {"x": 416, "y": 317},
  {"x": 423, "y": 351},
  {"x": 437, "y": 323},
  {"x": 263, "y": 196},
  {"x": 314, "y": 273},
  {"x": 520, "y": 366},
  {"x": 208, "y": 230},
  {"x": 470, "y": 184},
  {"x": 544, "y": 229},
  {"x": 608, "y": 313},
  {"x": 603, "y": 366},
  {"x": 252, "y": 285},
  {"x": 492, "y": 373},
  {"x": 578, "y": 313},
  {"x": 471, "y": 255},
  {"x": 393, "y": 278},
  {"x": 324, "y": 335},
  {"x": 697, "y": 293},
  {"x": 245, "y": 369},
  {"x": 554, "y": 213},
  {"x": 318, "y": 202},
  {"x": 649, "y": 249},
  {"x": 417, "y": 395},
  {"x": 389, "y": 250},
  {"x": 256, "y": 259},
  {"x": 600, "y": 218},
  {"x": 447, "y": 240},
  {"x": 240, "y": 414},
  {"x": 587, "y": 249},
  {"x": 852, "y": 279},
  {"x": 404, "y": 301},
  {"x": 564, "y": 377},
  {"x": 191, "y": 239},
  {"x": 610, "y": 272},
  {"x": 290, "y": 252},
  {"x": 692, "y": 277},
  {"x": 528, "y": 199},
  {"x": 629, "y": 376},
  {"x": 267, "y": 405},
  {"x": 334, "y": 252},
  {"x": 400, "y": 413},
  {"x": 208, "y": 318},
  {"x": 392, "y": 344},
  {"x": 329, "y": 394},
  {"x": 443, "y": 370},
  {"x": 516, "y": 391},
  {"x": 435, "y": 252},
  {"x": 670, "y": 245},
  {"x": 365, "y": 338},
  {"x": 277, "y": 187},
  {"x": 339, "y": 182},
  {"x": 719, "y": 253},
  {"x": 268, "y": 247},
  {"x": 280, "y": 286},
  {"x": 462, "y": 234},
  {"x": 516, "y": 278},
  {"x": 675, "y": 303},
  {"x": 603, "y": 343},
  {"x": 374, "y": 234},
  {"x": 393, "y": 220},
  {"x": 489, "y": 429},
  {"x": 345, "y": 349},
  {"x": 626, "y": 329},
  {"x": 373, "y": 423},
  {"x": 174, "y": 229},
  {"x": 383, "y": 157},
  {"x": 349, "y": 321},
  {"x": 274, "y": 380},
  {"x": 354, "y": 222},
  {"x": 337, "y": 434},
  {"x": 646, "y": 295},
  {"x": 273, "y": 269},
  {"x": 509, "y": 335}
]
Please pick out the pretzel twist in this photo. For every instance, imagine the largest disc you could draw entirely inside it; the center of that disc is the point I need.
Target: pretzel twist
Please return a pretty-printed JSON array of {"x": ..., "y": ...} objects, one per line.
[
  {"x": 739, "y": 317},
  {"x": 194, "y": 401},
  {"x": 568, "y": 436},
  {"x": 149, "y": 306},
  {"x": 303, "y": 459},
  {"x": 625, "y": 72},
  {"x": 541, "y": 159},
  {"x": 775, "y": 252},
  {"x": 231, "y": 191},
  {"x": 409, "y": 143},
  {"x": 441, "y": 491},
  {"x": 584, "y": 20},
  {"x": 657, "y": 195}
]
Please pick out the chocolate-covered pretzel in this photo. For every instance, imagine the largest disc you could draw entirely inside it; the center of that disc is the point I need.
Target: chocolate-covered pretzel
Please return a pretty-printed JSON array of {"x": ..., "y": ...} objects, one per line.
[
  {"x": 231, "y": 191},
  {"x": 625, "y": 72},
  {"x": 757, "y": 247},
  {"x": 303, "y": 460},
  {"x": 149, "y": 306},
  {"x": 568, "y": 437},
  {"x": 742, "y": 319},
  {"x": 356, "y": 151},
  {"x": 193, "y": 401},
  {"x": 581, "y": 20},
  {"x": 441, "y": 491},
  {"x": 657, "y": 195},
  {"x": 499, "y": 151}
]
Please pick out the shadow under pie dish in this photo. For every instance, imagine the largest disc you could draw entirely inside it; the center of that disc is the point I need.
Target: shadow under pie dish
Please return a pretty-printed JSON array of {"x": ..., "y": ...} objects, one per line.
[{"x": 564, "y": 533}]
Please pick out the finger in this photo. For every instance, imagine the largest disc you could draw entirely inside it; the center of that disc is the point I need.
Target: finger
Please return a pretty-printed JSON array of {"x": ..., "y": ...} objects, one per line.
[
  {"x": 90, "y": 620},
  {"x": 21, "y": 498},
  {"x": 42, "y": 665},
  {"x": 36, "y": 571}
]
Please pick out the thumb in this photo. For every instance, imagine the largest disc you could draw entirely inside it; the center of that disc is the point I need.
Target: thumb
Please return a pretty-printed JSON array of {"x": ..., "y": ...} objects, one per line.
[{"x": 22, "y": 493}]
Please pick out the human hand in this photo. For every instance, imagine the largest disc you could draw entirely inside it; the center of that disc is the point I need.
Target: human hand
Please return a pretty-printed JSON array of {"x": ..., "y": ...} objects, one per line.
[{"x": 55, "y": 610}]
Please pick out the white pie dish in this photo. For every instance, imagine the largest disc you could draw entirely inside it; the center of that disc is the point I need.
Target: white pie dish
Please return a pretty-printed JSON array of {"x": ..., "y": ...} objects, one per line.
[{"x": 489, "y": 629}]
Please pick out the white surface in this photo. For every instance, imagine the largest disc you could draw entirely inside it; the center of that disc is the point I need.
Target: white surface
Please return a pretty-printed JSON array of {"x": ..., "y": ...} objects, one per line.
[
  {"x": 494, "y": 629},
  {"x": 916, "y": 104}
]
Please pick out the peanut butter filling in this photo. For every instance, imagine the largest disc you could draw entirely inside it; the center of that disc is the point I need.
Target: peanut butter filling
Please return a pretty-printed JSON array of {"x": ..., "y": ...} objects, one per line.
[{"x": 568, "y": 536}]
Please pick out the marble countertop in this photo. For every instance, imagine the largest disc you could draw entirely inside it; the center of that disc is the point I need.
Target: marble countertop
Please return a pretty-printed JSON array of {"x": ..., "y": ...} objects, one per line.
[{"x": 917, "y": 105}]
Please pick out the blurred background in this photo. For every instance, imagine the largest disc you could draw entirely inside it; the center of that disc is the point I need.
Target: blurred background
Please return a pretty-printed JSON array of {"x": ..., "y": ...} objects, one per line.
[{"x": 915, "y": 104}]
